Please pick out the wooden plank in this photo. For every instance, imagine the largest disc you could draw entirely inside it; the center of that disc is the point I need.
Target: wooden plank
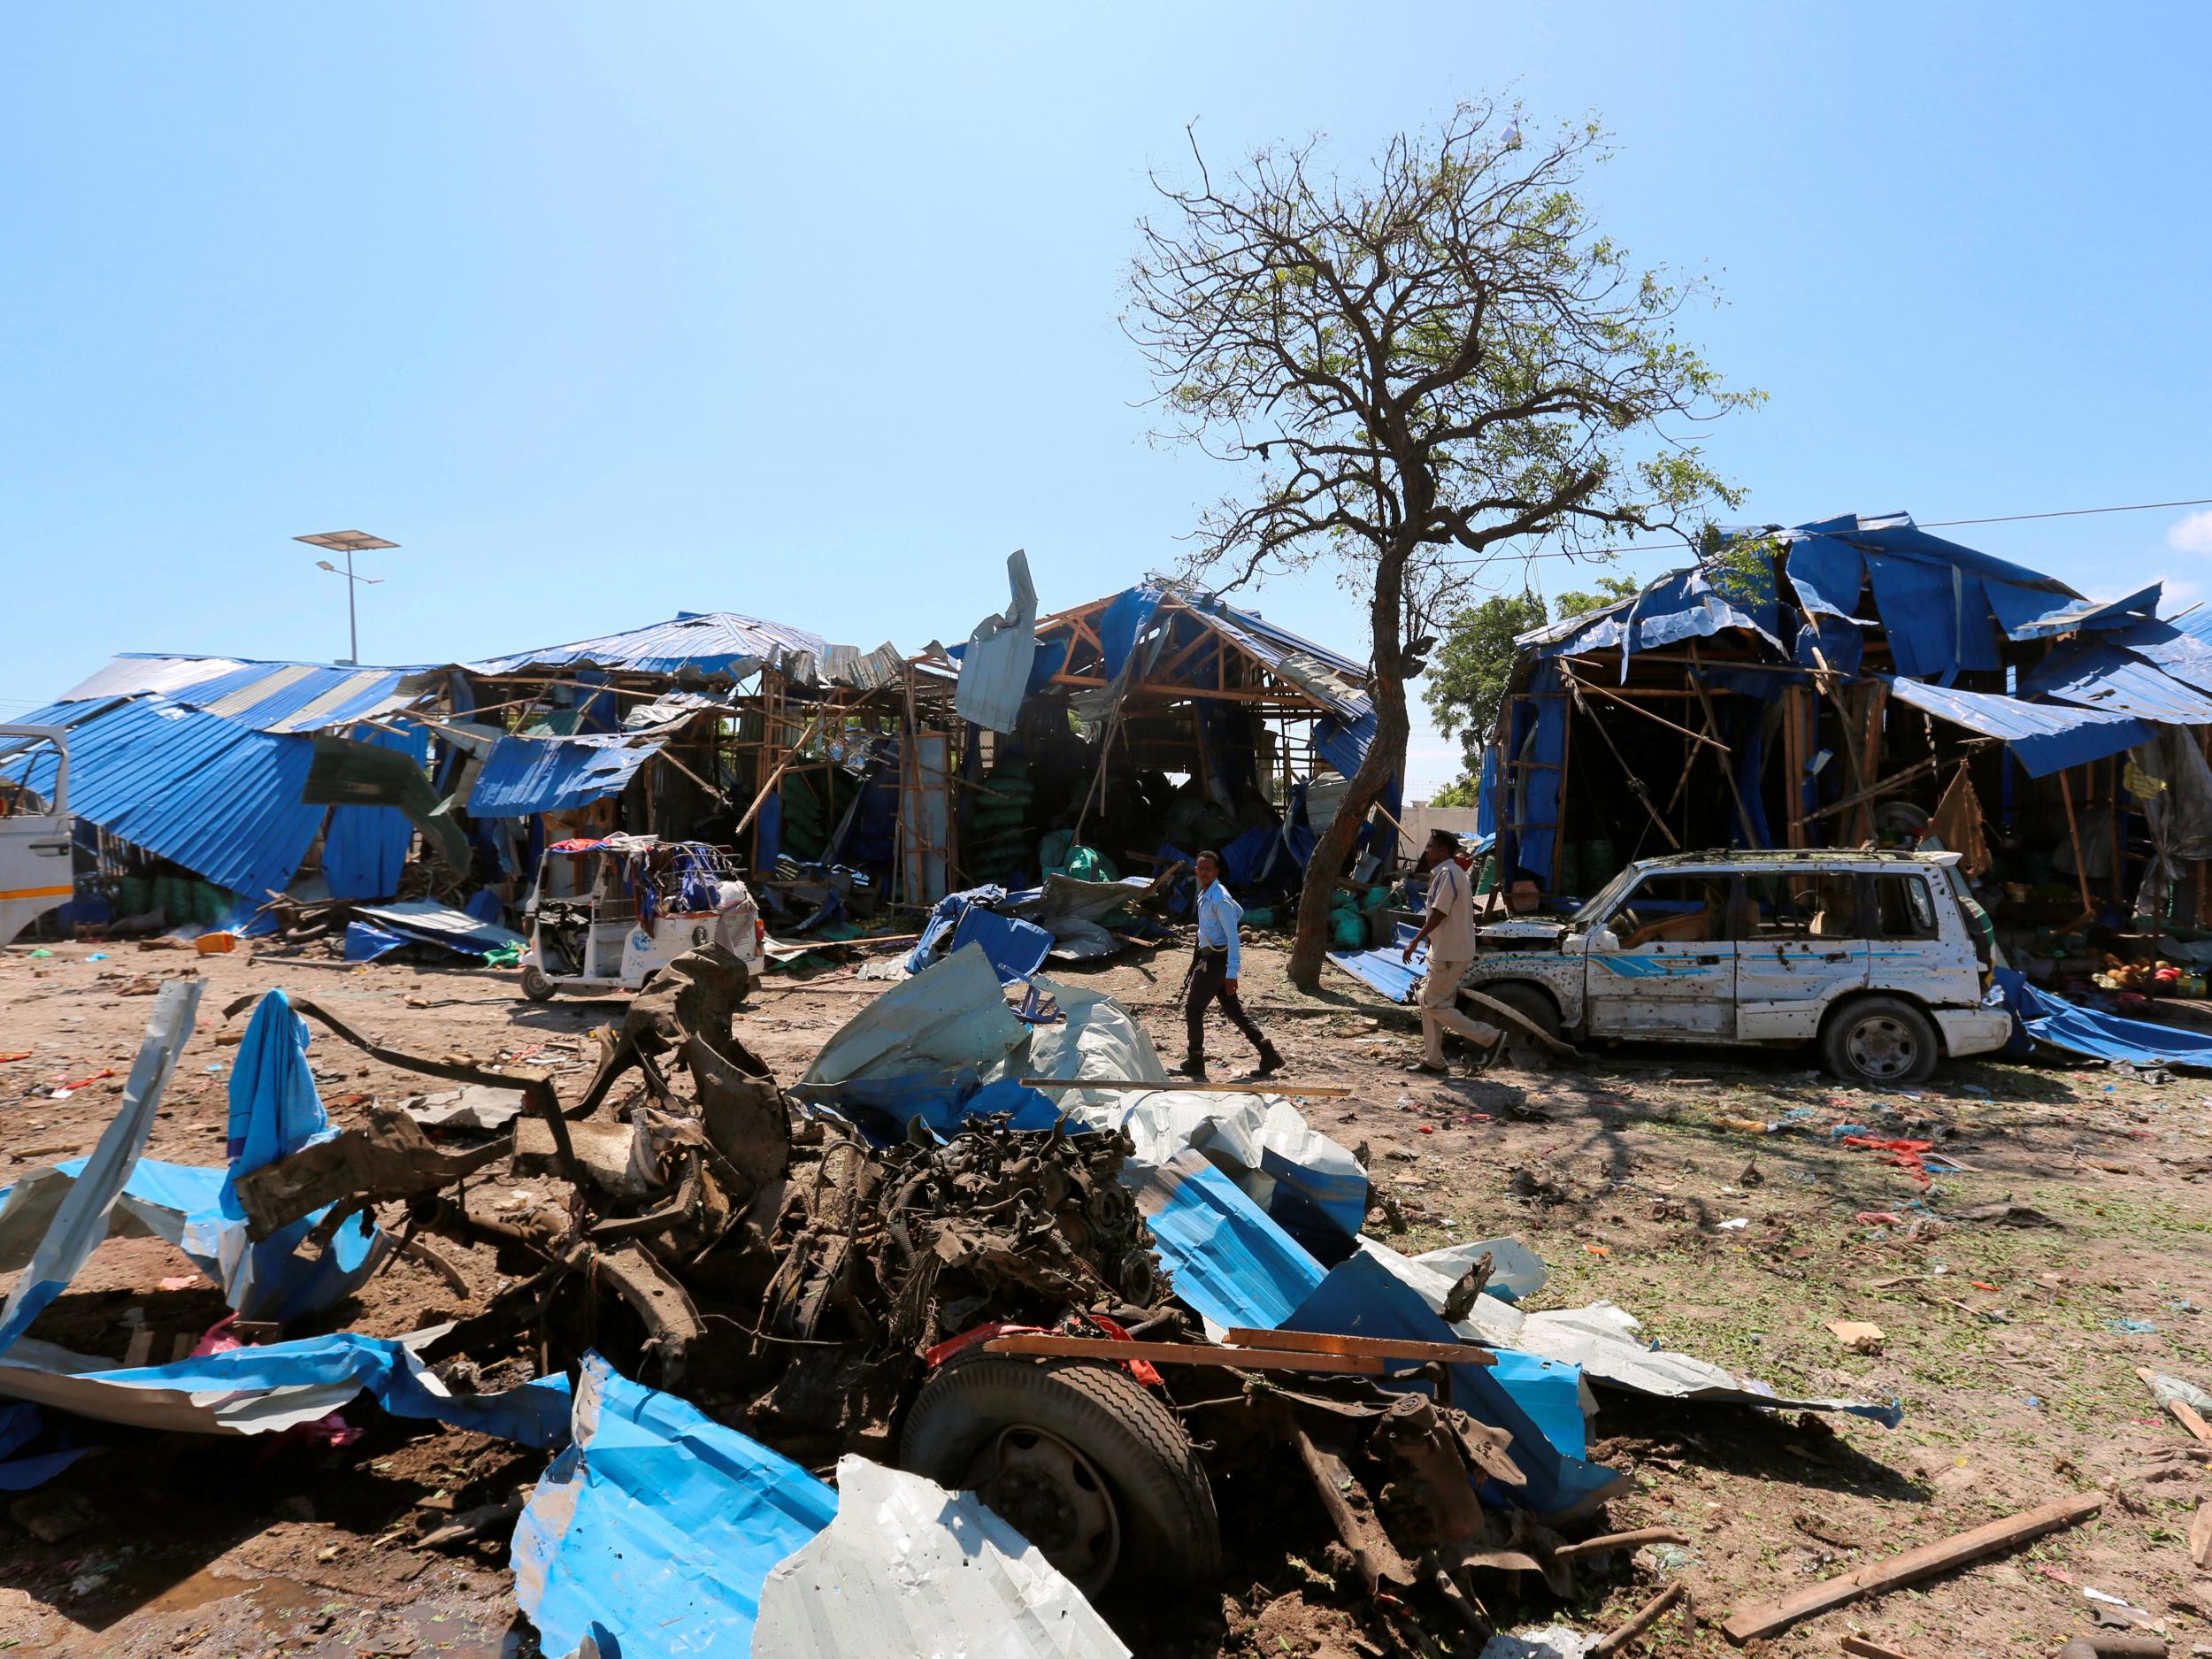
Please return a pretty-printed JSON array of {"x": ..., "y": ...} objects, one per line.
[
  {"x": 1257, "y": 1086},
  {"x": 2183, "y": 1413},
  {"x": 1877, "y": 1577},
  {"x": 1866, "y": 1649},
  {"x": 2200, "y": 1537},
  {"x": 1650, "y": 1614},
  {"x": 1619, "y": 1540},
  {"x": 1373, "y": 1347},
  {"x": 1179, "y": 1353}
]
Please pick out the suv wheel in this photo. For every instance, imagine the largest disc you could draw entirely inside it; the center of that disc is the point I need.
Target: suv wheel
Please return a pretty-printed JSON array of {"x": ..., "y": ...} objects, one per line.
[{"x": 1882, "y": 1040}]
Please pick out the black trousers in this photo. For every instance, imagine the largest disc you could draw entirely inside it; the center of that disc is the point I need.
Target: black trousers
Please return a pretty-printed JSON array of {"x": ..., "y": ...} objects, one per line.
[{"x": 1210, "y": 983}]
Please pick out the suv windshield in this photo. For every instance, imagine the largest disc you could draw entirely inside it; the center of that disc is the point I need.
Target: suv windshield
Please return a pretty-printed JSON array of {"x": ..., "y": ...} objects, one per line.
[{"x": 1605, "y": 897}]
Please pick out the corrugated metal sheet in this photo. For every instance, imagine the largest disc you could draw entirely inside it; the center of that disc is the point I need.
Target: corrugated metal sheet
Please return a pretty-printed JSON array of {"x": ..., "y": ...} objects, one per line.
[
  {"x": 217, "y": 798},
  {"x": 2044, "y": 737},
  {"x": 523, "y": 775},
  {"x": 266, "y": 697},
  {"x": 2181, "y": 648},
  {"x": 710, "y": 645},
  {"x": 2094, "y": 675}
]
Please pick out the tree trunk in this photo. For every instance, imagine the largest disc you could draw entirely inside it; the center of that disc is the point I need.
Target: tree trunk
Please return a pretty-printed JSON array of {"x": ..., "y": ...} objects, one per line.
[{"x": 1385, "y": 758}]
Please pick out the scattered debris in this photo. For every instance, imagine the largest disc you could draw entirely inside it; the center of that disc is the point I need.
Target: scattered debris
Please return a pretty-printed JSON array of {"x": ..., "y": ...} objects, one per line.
[{"x": 1876, "y": 1578}]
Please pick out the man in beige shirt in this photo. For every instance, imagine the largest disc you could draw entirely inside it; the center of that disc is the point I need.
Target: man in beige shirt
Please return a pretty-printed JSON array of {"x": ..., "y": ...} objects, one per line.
[{"x": 1449, "y": 930}]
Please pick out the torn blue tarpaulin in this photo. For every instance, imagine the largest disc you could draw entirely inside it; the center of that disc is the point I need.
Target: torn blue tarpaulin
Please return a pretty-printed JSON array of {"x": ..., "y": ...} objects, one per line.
[
  {"x": 2039, "y": 616},
  {"x": 994, "y": 668},
  {"x": 1536, "y": 736},
  {"x": 263, "y": 1390},
  {"x": 1684, "y": 605},
  {"x": 1221, "y": 1253},
  {"x": 1017, "y": 948},
  {"x": 1538, "y": 1402},
  {"x": 654, "y": 1531},
  {"x": 944, "y": 918},
  {"x": 2045, "y": 738},
  {"x": 2095, "y": 675},
  {"x": 274, "y": 1112},
  {"x": 21, "y": 1424},
  {"x": 884, "y": 1110},
  {"x": 2098, "y": 1036}
]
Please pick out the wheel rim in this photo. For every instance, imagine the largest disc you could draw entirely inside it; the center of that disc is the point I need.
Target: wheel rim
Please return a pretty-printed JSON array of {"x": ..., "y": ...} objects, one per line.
[
  {"x": 1055, "y": 1497},
  {"x": 1882, "y": 1047}
]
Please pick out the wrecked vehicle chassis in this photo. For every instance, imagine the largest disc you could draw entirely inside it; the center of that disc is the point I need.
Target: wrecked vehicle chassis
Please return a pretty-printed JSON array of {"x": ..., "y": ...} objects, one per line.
[{"x": 829, "y": 1295}]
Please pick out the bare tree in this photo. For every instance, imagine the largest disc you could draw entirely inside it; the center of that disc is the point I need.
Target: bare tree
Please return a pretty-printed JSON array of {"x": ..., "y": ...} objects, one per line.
[{"x": 1435, "y": 365}]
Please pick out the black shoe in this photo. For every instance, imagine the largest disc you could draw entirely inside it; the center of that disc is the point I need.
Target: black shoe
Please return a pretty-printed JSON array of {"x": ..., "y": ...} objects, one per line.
[
  {"x": 1271, "y": 1061},
  {"x": 1423, "y": 1068},
  {"x": 1194, "y": 1070}
]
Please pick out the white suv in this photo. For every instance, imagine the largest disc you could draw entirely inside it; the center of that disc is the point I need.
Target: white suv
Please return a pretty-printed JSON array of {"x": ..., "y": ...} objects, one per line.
[{"x": 1881, "y": 959}]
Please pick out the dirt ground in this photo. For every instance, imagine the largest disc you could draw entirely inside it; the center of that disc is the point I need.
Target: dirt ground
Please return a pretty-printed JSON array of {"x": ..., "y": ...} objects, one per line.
[{"x": 2013, "y": 1350}]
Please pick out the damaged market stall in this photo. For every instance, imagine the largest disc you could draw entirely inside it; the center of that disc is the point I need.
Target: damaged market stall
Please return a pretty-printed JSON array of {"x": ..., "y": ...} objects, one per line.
[
  {"x": 1151, "y": 725},
  {"x": 192, "y": 785},
  {"x": 826, "y": 768},
  {"x": 1858, "y": 680}
]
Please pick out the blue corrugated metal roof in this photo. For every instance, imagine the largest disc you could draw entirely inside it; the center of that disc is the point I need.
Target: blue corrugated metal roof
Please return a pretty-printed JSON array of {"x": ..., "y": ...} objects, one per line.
[
  {"x": 523, "y": 775},
  {"x": 2044, "y": 737},
  {"x": 712, "y": 644},
  {"x": 269, "y": 696},
  {"x": 2095, "y": 675},
  {"x": 213, "y": 795}
]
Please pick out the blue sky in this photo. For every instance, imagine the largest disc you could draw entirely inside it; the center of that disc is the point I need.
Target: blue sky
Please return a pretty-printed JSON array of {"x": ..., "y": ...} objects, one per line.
[{"x": 606, "y": 312}]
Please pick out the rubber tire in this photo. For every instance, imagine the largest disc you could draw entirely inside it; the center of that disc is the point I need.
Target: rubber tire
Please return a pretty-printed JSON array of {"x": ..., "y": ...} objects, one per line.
[
  {"x": 744, "y": 981},
  {"x": 1835, "y": 1054},
  {"x": 536, "y": 986},
  {"x": 1525, "y": 998},
  {"x": 1169, "y": 1528}
]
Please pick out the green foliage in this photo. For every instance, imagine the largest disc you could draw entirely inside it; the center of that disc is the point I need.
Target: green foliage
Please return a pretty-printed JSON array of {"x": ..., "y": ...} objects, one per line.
[
  {"x": 1460, "y": 792},
  {"x": 1467, "y": 678},
  {"x": 1611, "y": 591}
]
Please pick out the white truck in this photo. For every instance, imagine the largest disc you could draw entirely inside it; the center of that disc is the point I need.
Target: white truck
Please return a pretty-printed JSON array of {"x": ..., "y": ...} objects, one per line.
[
  {"x": 1882, "y": 959},
  {"x": 37, "y": 873}
]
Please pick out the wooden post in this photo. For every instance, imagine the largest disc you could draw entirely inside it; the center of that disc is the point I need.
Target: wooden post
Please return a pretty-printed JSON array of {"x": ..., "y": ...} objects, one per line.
[
  {"x": 2073, "y": 836},
  {"x": 1793, "y": 704},
  {"x": 1870, "y": 765},
  {"x": 1712, "y": 725}
]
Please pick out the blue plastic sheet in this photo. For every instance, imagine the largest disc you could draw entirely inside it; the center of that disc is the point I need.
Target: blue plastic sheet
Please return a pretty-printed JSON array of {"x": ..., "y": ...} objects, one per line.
[
  {"x": 1223, "y": 1254},
  {"x": 274, "y": 1112},
  {"x": 2099, "y": 1036},
  {"x": 19, "y": 1425},
  {"x": 1539, "y": 1402},
  {"x": 654, "y": 1531},
  {"x": 221, "y": 1392},
  {"x": 1017, "y": 948}
]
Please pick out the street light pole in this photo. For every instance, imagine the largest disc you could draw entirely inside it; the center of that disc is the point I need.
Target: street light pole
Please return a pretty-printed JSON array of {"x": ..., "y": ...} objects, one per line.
[{"x": 349, "y": 542}]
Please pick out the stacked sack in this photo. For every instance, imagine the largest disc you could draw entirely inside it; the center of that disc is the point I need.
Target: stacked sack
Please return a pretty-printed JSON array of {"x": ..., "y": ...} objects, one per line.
[{"x": 995, "y": 845}]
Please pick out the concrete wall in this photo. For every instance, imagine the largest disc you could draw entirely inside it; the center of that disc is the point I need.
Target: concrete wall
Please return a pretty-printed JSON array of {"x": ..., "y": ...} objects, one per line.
[{"x": 1421, "y": 817}]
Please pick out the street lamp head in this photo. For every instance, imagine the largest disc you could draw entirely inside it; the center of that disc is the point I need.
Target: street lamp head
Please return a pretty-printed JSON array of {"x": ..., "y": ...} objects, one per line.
[
  {"x": 345, "y": 541},
  {"x": 324, "y": 564}
]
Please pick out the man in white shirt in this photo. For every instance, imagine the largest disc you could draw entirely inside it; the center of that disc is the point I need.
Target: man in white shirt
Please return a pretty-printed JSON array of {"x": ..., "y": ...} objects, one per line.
[{"x": 1449, "y": 930}]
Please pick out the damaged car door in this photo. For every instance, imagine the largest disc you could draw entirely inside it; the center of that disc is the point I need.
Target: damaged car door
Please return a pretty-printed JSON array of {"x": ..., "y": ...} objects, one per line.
[
  {"x": 37, "y": 871},
  {"x": 1663, "y": 962},
  {"x": 1804, "y": 946}
]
